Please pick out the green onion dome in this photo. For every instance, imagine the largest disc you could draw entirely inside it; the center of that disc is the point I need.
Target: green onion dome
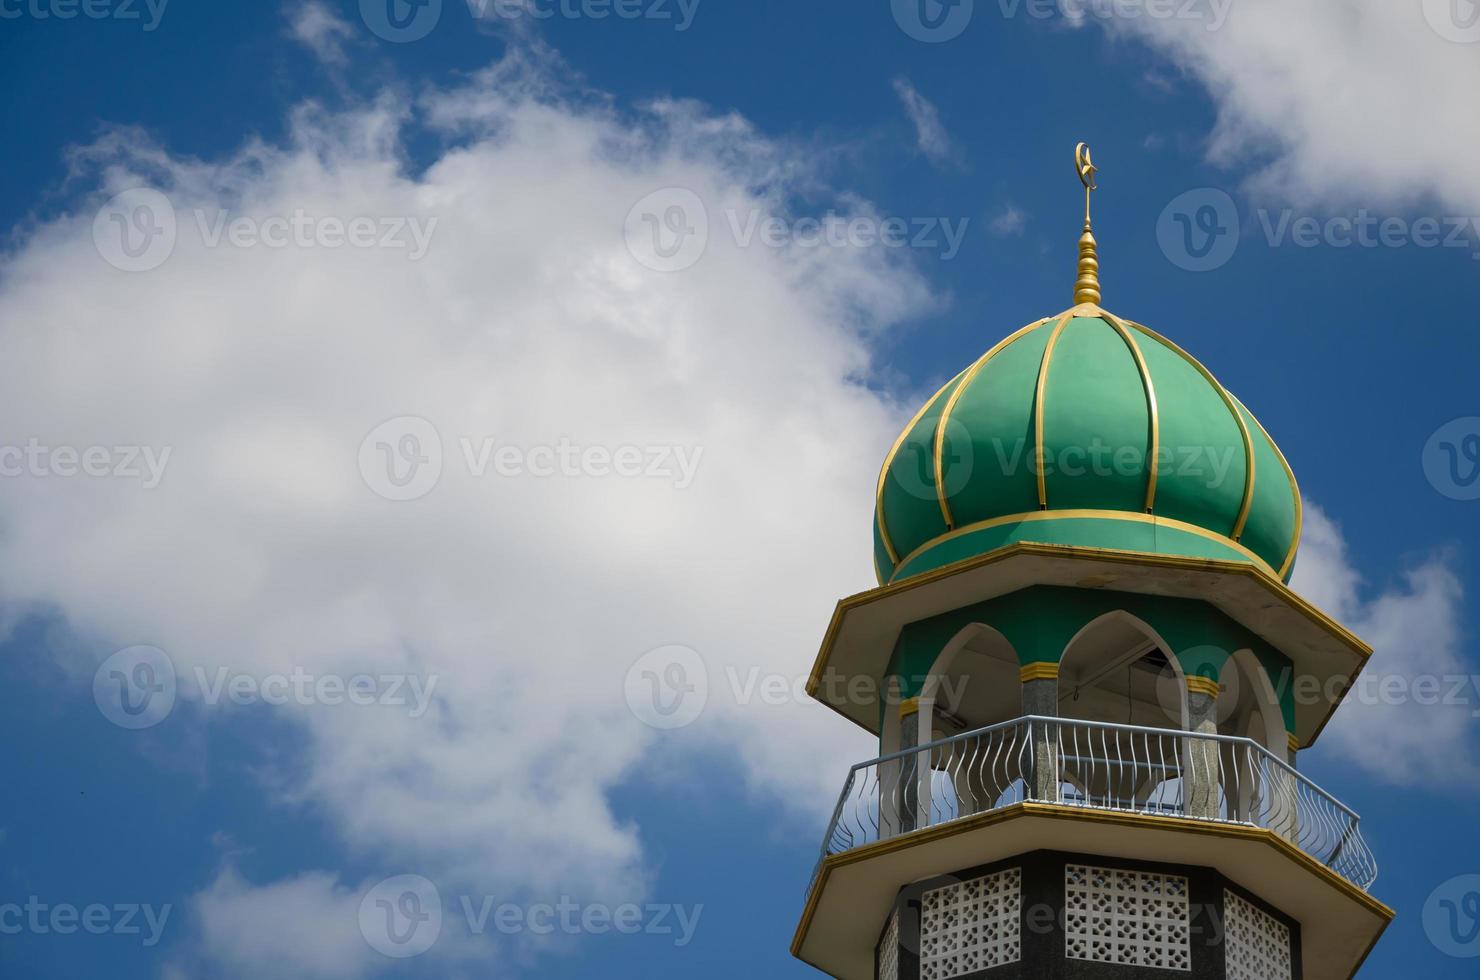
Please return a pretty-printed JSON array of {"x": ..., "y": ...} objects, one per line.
[{"x": 1141, "y": 450}]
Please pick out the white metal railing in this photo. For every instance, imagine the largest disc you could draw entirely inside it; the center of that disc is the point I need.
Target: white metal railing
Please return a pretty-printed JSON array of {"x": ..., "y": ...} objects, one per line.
[{"x": 1098, "y": 766}]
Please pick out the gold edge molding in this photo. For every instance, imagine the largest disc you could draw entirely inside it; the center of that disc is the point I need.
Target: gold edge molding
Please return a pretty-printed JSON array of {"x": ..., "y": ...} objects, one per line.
[
  {"x": 1039, "y": 401},
  {"x": 1081, "y": 514},
  {"x": 1292, "y": 741},
  {"x": 1233, "y": 408},
  {"x": 939, "y": 442},
  {"x": 1154, "y": 467},
  {"x": 909, "y": 706},
  {"x": 1197, "y": 684},
  {"x": 889, "y": 461},
  {"x": 1060, "y": 812},
  {"x": 1294, "y": 487},
  {"x": 1042, "y": 671}
]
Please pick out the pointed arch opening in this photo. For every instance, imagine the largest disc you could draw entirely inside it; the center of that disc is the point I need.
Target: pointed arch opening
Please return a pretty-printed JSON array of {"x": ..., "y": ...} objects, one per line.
[{"x": 1118, "y": 669}]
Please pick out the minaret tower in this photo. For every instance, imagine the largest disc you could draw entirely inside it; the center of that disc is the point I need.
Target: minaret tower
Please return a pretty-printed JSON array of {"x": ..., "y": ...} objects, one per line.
[{"x": 1089, "y": 679}]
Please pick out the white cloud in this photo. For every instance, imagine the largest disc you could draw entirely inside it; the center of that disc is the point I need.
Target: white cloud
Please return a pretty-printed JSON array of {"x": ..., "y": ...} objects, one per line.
[
  {"x": 304, "y": 926},
  {"x": 1389, "y": 725},
  {"x": 930, "y": 133},
  {"x": 1364, "y": 101},
  {"x": 1010, "y": 221},
  {"x": 528, "y": 322},
  {"x": 323, "y": 31}
]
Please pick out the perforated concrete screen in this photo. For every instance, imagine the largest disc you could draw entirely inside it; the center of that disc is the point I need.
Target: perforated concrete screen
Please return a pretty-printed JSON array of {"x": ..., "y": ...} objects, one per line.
[
  {"x": 1129, "y": 917},
  {"x": 972, "y": 925}
]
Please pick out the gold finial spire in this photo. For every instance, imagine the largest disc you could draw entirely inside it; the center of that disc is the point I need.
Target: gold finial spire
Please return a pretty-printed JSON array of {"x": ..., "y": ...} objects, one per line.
[{"x": 1087, "y": 286}]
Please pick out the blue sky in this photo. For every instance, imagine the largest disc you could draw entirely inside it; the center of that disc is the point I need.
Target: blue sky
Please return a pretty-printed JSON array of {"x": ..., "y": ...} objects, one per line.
[{"x": 528, "y": 602}]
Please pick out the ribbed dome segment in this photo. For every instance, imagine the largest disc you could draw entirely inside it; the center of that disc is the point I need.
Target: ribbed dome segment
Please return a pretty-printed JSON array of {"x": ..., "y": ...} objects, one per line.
[{"x": 1142, "y": 450}]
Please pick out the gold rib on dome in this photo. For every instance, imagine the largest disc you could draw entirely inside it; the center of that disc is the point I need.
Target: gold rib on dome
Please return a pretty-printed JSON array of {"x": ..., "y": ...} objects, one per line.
[
  {"x": 1238, "y": 417},
  {"x": 889, "y": 461},
  {"x": 1294, "y": 488},
  {"x": 1038, "y": 394},
  {"x": 1154, "y": 465},
  {"x": 945, "y": 416}
]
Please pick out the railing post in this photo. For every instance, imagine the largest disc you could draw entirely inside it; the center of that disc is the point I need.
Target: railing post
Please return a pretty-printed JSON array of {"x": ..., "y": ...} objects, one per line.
[{"x": 1200, "y": 776}]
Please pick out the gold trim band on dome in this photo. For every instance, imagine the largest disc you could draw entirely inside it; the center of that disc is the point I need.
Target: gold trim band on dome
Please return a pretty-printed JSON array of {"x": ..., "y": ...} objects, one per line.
[
  {"x": 1197, "y": 684},
  {"x": 1038, "y": 672},
  {"x": 1294, "y": 488},
  {"x": 889, "y": 461},
  {"x": 1238, "y": 417},
  {"x": 1153, "y": 469},
  {"x": 945, "y": 416},
  {"x": 1038, "y": 402},
  {"x": 1081, "y": 514}
]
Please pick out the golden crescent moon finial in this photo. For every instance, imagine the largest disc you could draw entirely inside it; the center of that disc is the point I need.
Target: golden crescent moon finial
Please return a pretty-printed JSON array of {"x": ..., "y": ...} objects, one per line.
[
  {"x": 1084, "y": 166},
  {"x": 1087, "y": 286}
]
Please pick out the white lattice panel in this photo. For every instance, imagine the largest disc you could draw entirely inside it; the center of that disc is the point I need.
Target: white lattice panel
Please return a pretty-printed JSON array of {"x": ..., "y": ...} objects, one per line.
[
  {"x": 1131, "y": 917},
  {"x": 889, "y": 950},
  {"x": 1256, "y": 945},
  {"x": 970, "y": 926}
]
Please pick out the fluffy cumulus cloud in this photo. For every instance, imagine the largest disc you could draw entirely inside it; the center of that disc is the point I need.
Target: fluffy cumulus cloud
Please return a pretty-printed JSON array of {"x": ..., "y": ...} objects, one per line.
[
  {"x": 1418, "y": 691},
  {"x": 1322, "y": 94},
  {"x": 641, "y": 443}
]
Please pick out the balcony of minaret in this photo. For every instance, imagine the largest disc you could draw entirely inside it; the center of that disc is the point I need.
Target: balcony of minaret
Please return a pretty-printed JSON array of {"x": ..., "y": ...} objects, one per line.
[{"x": 1061, "y": 727}]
